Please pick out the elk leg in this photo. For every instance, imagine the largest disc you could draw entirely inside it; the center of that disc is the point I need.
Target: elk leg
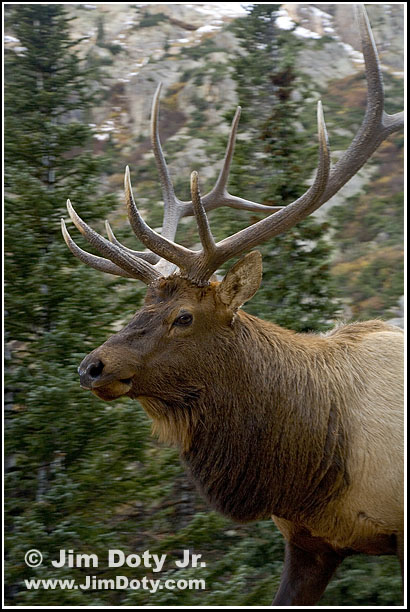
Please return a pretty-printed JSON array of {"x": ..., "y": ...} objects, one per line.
[
  {"x": 400, "y": 552},
  {"x": 400, "y": 555},
  {"x": 305, "y": 575}
]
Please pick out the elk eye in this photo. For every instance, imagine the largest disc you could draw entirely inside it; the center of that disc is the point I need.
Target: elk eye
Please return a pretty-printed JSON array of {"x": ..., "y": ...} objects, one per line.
[{"x": 183, "y": 320}]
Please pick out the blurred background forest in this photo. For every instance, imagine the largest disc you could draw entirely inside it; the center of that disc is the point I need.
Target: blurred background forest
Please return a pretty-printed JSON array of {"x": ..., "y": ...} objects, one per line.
[{"x": 85, "y": 475}]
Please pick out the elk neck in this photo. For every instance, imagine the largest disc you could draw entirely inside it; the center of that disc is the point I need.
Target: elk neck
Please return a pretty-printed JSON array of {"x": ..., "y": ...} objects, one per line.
[{"x": 265, "y": 436}]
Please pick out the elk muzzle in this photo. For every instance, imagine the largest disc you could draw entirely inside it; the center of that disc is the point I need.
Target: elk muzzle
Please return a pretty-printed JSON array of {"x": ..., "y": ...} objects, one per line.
[{"x": 104, "y": 377}]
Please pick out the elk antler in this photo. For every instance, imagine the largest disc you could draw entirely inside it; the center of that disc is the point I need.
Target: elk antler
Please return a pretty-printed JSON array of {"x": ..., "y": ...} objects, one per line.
[
  {"x": 174, "y": 210},
  {"x": 198, "y": 266}
]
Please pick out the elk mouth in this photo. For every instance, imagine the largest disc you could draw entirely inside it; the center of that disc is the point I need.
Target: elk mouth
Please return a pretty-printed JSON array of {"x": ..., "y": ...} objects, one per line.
[{"x": 113, "y": 389}]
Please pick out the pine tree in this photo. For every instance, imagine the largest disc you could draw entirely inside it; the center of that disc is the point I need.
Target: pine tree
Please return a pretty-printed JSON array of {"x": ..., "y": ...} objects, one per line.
[{"x": 67, "y": 452}]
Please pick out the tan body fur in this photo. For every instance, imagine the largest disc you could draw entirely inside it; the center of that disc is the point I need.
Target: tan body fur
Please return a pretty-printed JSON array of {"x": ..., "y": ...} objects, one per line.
[{"x": 371, "y": 356}]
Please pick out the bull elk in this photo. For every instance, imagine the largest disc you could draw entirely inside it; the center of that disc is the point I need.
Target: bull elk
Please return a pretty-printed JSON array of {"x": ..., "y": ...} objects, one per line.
[{"x": 304, "y": 428}]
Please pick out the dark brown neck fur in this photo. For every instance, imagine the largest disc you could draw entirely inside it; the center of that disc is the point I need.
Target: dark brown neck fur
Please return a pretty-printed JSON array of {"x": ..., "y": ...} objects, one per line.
[{"x": 273, "y": 443}]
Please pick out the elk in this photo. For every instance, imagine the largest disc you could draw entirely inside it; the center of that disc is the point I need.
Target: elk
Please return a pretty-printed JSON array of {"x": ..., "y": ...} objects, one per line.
[{"x": 303, "y": 428}]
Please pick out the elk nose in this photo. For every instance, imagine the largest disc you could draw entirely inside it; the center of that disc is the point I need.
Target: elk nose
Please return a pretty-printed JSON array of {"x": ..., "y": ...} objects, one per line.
[{"x": 90, "y": 372}]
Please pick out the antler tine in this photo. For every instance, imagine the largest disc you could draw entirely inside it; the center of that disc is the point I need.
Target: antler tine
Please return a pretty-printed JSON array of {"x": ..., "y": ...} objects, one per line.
[
  {"x": 168, "y": 188},
  {"x": 219, "y": 196},
  {"x": 204, "y": 230},
  {"x": 222, "y": 181},
  {"x": 165, "y": 248},
  {"x": 99, "y": 263},
  {"x": 147, "y": 255},
  {"x": 135, "y": 268},
  {"x": 173, "y": 207},
  {"x": 376, "y": 125},
  {"x": 172, "y": 213}
]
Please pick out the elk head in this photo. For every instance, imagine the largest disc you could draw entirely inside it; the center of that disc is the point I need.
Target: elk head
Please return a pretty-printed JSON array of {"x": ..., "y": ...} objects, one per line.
[
  {"x": 185, "y": 314},
  {"x": 155, "y": 354}
]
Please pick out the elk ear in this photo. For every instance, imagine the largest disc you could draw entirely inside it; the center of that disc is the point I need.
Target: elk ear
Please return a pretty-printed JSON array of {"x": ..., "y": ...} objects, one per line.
[{"x": 242, "y": 281}]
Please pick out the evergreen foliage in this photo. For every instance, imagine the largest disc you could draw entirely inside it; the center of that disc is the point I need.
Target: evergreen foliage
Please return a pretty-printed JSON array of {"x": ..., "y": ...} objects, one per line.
[
  {"x": 368, "y": 227},
  {"x": 369, "y": 234},
  {"x": 67, "y": 453}
]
